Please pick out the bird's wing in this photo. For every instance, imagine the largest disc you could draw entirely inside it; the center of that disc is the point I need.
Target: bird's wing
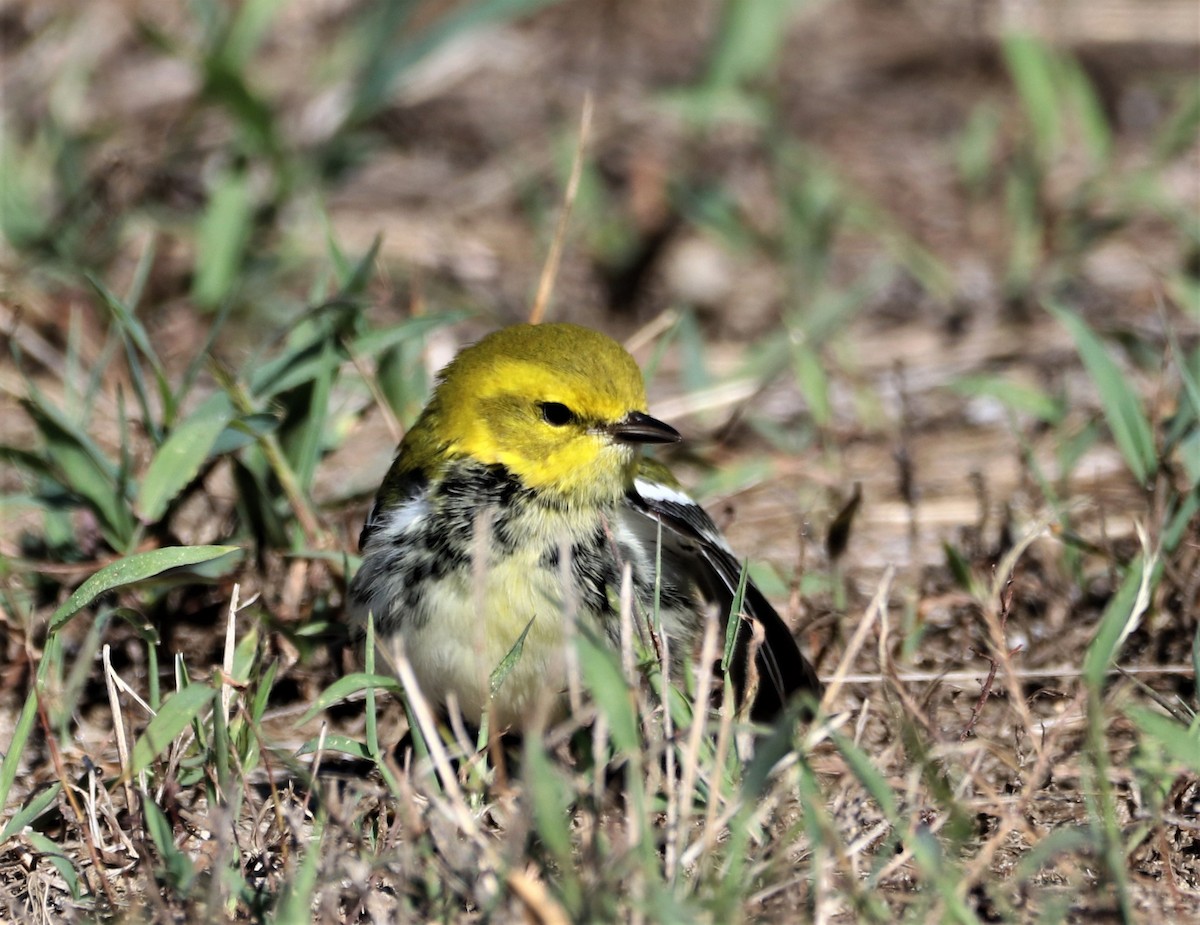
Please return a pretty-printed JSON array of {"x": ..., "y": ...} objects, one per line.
[{"x": 692, "y": 544}]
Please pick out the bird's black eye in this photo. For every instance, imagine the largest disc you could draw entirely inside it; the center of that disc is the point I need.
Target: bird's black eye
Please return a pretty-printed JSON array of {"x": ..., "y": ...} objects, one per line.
[{"x": 556, "y": 414}]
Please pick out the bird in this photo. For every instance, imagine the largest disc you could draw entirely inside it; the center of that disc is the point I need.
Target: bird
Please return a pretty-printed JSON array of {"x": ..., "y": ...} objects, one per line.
[{"x": 514, "y": 505}]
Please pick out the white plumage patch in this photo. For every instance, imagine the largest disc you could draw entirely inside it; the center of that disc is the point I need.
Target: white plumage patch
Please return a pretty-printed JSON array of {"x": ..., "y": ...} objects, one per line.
[
  {"x": 657, "y": 491},
  {"x": 679, "y": 506},
  {"x": 394, "y": 522}
]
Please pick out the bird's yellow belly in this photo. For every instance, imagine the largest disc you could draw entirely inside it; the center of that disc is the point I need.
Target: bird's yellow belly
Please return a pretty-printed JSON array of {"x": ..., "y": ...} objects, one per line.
[{"x": 474, "y": 622}]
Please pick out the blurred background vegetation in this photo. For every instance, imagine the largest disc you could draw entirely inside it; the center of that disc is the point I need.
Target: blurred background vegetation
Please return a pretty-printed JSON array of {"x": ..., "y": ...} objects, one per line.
[{"x": 918, "y": 280}]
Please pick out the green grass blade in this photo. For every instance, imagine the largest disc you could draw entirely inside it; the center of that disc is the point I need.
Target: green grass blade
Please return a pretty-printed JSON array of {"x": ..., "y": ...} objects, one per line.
[
  {"x": 1122, "y": 407},
  {"x": 347, "y": 686},
  {"x": 81, "y": 467},
  {"x": 16, "y": 747},
  {"x": 222, "y": 235},
  {"x": 868, "y": 775},
  {"x": 614, "y": 699},
  {"x": 1179, "y": 742},
  {"x": 748, "y": 42},
  {"x": 137, "y": 342},
  {"x": 176, "y": 713},
  {"x": 308, "y": 434},
  {"x": 1120, "y": 618},
  {"x": 251, "y": 22},
  {"x": 295, "y": 903},
  {"x": 1195, "y": 673},
  {"x": 509, "y": 662},
  {"x": 41, "y": 802},
  {"x": 392, "y": 58},
  {"x": 180, "y": 457},
  {"x": 1022, "y": 399},
  {"x": 57, "y": 856},
  {"x": 176, "y": 864},
  {"x": 1031, "y": 65},
  {"x": 203, "y": 560},
  {"x": 338, "y": 743}
]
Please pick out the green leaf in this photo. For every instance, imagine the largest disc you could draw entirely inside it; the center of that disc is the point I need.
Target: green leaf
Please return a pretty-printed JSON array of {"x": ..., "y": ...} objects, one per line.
[
  {"x": 734, "y": 618},
  {"x": 1122, "y": 407},
  {"x": 250, "y": 24},
  {"x": 178, "y": 866},
  {"x": 353, "y": 280},
  {"x": 1181, "y": 743},
  {"x": 172, "y": 719},
  {"x": 179, "y": 459},
  {"x": 1120, "y": 617},
  {"x": 749, "y": 41},
  {"x": 975, "y": 153},
  {"x": 1088, "y": 110},
  {"x": 1195, "y": 674},
  {"x": 26, "y": 459},
  {"x": 262, "y": 692},
  {"x": 863, "y": 767},
  {"x": 378, "y": 340},
  {"x": 813, "y": 383},
  {"x": 1032, "y": 66},
  {"x": 1189, "y": 456},
  {"x": 613, "y": 697},
  {"x": 137, "y": 348},
  {"x": 15, "y": 747},
  {"x": 222, "y": 234},
  {"x": 393, "y": 45},
  {"x": 243, "y": 432},
  {"x": 1182, "y": 429},
  {"x": 337, "y": 743},
  {"x": 203, "y": 560},
  {"x": 509, "y": 662},
  {"x": 1178, "y": 134},
  {"x": 306, "y": 355},
  {"x": 81, "y": 467},
  {"x": 244, "y": 653},
  {"x": 40, "y": 802},
  {"x": 296, "y": 901},
  {"x": 960, "y": 568},
  {"x": 62, "y": 863},
  {"x": 306, "y": 443},
  {"x": 747, "y": 44},
  {"x": 1019, "y": 398},
  {"x": 344, "y": 687},
  {"x": 551, "y": 799}
]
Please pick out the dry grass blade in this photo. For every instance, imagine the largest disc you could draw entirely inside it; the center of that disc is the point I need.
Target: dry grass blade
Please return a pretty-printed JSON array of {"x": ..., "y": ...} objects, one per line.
[
  {"x": 457, "y": 807},
  {"x": 691, "y": 755},
  {"x": 875, "y": 612},
  {"x": 532, "y": 892},
  {"x": 541, "y": 301},
  {"x": 114, "y": 702}
]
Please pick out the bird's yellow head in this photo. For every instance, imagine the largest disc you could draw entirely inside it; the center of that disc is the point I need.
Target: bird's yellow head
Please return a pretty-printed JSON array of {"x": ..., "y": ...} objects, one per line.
[{"x": 563, "y": 408}]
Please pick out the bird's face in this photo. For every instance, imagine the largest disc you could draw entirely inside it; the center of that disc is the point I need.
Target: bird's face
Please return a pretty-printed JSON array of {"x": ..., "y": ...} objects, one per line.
[{"x": 564, "y": 414}]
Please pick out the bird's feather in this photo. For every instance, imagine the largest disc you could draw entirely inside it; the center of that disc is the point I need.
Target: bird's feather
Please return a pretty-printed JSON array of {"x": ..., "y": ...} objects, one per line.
[{"x": 692, "y": 545}]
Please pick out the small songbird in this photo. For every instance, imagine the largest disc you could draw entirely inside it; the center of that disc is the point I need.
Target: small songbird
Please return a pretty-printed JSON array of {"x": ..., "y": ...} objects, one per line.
[{"x": 513, "y": 506}]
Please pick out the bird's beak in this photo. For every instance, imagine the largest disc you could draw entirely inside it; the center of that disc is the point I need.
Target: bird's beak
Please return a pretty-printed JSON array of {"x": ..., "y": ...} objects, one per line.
[{"x": 637, "y": 427}]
